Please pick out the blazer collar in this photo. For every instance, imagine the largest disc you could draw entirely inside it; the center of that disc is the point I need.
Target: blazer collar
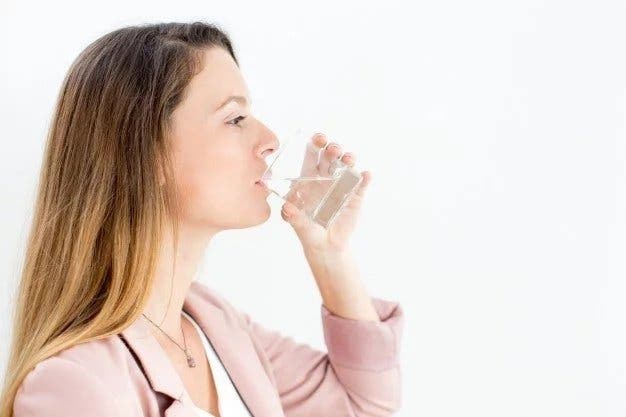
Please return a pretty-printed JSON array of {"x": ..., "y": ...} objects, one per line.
[{"x": 233, "y": 346}]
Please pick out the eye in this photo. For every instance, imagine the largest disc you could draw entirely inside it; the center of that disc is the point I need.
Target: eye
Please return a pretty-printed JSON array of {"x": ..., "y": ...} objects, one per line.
[{"x": 236, "y": 120}]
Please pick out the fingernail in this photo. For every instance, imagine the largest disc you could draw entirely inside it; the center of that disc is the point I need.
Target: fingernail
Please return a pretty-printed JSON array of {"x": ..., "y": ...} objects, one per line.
[{"x": 288, "y": 210}]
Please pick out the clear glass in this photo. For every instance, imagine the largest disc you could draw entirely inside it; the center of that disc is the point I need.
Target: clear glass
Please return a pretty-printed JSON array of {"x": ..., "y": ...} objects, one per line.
[{"x": 297, "y": 173}]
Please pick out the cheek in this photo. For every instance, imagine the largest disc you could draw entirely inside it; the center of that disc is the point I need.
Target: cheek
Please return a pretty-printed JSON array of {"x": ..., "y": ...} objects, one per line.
[{"x": 212, "y": 178}]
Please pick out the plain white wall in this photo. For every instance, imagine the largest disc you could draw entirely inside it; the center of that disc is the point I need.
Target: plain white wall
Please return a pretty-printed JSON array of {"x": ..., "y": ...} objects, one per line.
[{"x": 495, "y": 134}]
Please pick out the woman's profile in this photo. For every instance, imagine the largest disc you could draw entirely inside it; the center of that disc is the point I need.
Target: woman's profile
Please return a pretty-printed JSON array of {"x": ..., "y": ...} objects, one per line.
[{"x": 152, "y": 151}]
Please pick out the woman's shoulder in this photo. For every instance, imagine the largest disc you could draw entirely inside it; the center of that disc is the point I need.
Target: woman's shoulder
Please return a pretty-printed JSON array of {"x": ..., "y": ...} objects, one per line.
[
  {"x": 75, "y": 379},
  {"x": 104, "y": 358},
  {"x": 100, "y": 359}
]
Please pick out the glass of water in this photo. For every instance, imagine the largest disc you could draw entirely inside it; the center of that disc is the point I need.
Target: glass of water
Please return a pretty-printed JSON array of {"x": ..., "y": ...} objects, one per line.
[{"x": 295, "y": 174}]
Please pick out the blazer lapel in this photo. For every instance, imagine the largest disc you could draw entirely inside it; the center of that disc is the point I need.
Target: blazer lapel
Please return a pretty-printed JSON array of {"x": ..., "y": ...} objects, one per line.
[
  {"x": 232, "y": 345},
  {"x": 156, "y": 366}
]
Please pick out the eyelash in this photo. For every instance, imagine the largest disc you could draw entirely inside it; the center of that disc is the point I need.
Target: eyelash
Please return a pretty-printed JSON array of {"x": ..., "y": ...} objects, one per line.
[{"x": 239, "y": 118}]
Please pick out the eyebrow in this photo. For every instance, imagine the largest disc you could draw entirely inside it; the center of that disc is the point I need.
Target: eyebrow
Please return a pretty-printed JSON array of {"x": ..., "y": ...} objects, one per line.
[{"x": 239, "y": 99}]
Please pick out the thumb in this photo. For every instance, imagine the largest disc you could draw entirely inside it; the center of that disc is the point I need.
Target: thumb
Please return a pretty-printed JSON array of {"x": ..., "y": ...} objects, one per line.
[{"x": 293, "y": 215}]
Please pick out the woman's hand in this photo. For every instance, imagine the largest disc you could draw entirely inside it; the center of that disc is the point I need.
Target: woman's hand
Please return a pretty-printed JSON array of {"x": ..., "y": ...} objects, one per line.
[{"x": 314, "y": 237}]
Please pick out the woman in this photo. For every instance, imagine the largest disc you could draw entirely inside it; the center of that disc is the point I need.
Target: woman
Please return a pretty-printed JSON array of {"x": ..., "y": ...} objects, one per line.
[{"x": 152, "y": 151}]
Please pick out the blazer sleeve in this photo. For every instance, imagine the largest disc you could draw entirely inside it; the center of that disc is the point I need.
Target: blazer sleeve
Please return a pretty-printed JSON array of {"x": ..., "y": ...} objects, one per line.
[
  {"x": 59, "y": 387},
  {"x": 359, "y": 375}
]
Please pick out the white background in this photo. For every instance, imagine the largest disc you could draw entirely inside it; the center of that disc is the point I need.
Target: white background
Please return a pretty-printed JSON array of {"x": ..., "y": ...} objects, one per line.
[{"x": 494, "y": 131}]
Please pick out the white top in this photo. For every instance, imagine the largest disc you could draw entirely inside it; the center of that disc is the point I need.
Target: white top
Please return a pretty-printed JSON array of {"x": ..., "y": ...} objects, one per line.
[{"x": 229, "y": 401}]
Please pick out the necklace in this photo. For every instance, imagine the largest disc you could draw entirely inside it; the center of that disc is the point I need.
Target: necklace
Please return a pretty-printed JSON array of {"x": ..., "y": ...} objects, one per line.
[{"x": 190, "y": 360}]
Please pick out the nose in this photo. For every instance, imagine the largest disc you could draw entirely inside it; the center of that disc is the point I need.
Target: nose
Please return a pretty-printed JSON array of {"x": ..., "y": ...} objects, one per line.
[{"x": 268, "y": 144}]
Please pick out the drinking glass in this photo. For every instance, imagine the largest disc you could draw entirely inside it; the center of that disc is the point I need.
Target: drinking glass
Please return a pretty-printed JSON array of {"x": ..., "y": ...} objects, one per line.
[{"x": 296, "y": 173}]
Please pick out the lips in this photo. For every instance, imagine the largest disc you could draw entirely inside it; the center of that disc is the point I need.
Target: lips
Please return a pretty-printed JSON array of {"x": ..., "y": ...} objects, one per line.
[
  {"x": 267, "y": 175},
  {"x": 261, "y": 184}
]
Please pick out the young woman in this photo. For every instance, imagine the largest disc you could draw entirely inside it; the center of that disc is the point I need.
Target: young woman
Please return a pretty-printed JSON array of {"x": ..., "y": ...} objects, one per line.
[{"x": 151, "y": 152}]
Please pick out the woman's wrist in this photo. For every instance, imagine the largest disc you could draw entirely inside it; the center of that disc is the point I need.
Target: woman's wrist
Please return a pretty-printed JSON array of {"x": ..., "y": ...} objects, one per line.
[{"x": 341, "y": 288}]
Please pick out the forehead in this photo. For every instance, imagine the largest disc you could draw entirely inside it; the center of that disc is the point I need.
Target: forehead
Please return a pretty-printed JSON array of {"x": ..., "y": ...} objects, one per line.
[{"x": 219, "y": 78}]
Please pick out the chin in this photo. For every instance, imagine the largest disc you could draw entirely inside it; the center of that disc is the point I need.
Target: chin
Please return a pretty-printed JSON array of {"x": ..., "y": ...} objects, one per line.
[
  {"x": 263, "y": 217},
  {"x": 252, "y": 218}
]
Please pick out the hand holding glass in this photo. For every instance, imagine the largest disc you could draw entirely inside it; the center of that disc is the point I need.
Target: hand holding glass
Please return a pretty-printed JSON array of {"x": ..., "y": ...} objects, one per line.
[{"x": 301, "y": 174}]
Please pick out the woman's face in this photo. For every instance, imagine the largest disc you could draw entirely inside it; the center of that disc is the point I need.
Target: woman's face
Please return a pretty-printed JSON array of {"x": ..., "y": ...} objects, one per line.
[{"x": 219, "y": 149}]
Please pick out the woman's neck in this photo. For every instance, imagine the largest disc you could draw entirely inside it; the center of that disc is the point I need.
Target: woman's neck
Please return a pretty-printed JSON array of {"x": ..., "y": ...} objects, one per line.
[{"x": 191, "y": 249}]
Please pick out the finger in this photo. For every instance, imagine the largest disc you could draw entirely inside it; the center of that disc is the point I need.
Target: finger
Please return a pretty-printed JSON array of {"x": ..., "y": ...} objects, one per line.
[
  {"x": 366, "y": 179},
  {"x": 311, "y": 154},
  {"x": 320, "y": 140},
  {"x": 348, "y": 159},
  {"x": 330, "y": 153},
  {"x": 293, "y": 215}
]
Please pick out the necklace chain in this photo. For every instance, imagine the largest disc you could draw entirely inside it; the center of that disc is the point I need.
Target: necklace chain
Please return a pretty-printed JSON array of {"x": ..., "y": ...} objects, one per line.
[{"x": 190, "y": 360}]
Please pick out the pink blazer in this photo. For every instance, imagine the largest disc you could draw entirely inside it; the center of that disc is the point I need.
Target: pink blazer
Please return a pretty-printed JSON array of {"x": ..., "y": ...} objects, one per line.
[{"x": 129, "y": 374}]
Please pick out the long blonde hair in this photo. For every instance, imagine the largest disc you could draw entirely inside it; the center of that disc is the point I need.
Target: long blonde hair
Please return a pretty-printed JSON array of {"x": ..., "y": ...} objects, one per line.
[{"x": 100, "y": 211}]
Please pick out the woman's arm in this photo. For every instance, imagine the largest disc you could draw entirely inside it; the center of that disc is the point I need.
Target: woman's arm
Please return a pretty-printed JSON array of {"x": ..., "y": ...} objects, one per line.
[{"x": 359, "y": 375}]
